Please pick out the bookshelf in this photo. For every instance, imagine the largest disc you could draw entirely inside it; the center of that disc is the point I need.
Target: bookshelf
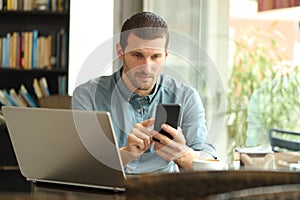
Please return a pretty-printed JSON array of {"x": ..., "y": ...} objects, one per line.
[
  {"x": 50, "y": 59},
  {"x": 21, "y": 66}
]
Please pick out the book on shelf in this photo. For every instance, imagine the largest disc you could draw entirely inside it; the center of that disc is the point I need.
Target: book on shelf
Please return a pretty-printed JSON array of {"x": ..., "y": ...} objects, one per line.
[
  {"x": 23, "y": 98},
  {"x": 7, "y": 50},
  {"x": 60, "y": 54},
  {"x": 29, "y": 50},
  {"x": 42, "y": 5},
  {"x": 4, "y": 101},
  {"x": 35, "y": 34},
  {"x": 11, "y": 51},
  {"x": 62, "y": 85},
  {"x": 20, "y": 4},
  {"x": 27, "y": 97},
  {"x": 53, "y": 5},
  {"x": 19, "y": 51},
  {"x": 25, "y": 63},
  {"x": 10, "y": 99},
  {"x": 64, "y": 38},
  {"x": 6, "y": 98},
  {"x": 4, "y": 4},
  {"x": 47, "y": 52},
  {"x": 4, "y": 52},
  {"x": 14, "y": 50},
  {"x": 17, "y": 98},
  {"x": 30, "y": 36},
  {"x": 29, "y": 5},
  {"x": 53, "y": 49},
  {"x": 58, "y": 49},
  {"x": 22, "y": 46},
  {"x": 44, "y": 86},
  {"x": 37, "y": 88}
]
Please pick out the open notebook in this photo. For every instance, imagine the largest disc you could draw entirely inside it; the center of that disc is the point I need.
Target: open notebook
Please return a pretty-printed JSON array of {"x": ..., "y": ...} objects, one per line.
[{"x": 65, "y": 146}]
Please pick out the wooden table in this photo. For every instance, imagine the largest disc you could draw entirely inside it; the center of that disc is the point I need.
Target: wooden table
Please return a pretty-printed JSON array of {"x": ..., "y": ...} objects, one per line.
[
  {"x": 188, "y": 185},
  {"x": 195, "y": 185}
]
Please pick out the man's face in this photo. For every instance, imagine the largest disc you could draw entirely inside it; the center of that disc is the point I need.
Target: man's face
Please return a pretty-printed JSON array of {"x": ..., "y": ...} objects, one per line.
[{"x": 142, "y": 63}]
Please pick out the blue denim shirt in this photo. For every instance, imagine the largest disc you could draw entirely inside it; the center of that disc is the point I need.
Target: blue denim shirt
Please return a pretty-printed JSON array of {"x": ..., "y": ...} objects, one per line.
[{"x": 108, "y": 93}]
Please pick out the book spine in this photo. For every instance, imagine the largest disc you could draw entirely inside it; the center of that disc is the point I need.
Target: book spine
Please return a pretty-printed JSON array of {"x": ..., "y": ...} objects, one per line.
[
  {"x": 4, "y": 52},
  {"x": 42, "y": 52},
  {"x": 27, "y": 97},
  {"x": 14, "y": 49},
  {"x": 59, "y": 5},
  {"x": 47, "y": 53},
  {"x": 8, "y": 97},
  {"x": 4, "y": 4},
  {"x": 19, "y": 51},
  {"x": 37, "y": 89},
  {"x": 26, "y": 50},
  {"x": 62, "y": 85},
  {"x": 44, "y": 86},
  {"x": 53, "y": 5},
  {"x": 22, "y": 50},
  {"x": 8, "y": 37},
  {"x": 16, "y": 98},
  {"x": 20, "y": 5},
  {"x": 53, "y": 50},
  {"x": 58, "y": 49},
  {"x": 34, "y": 48},
  {"x": 4, "y": 101},
  {"x": 64, "y": 50},
  {"x": 30, "y": 36}
]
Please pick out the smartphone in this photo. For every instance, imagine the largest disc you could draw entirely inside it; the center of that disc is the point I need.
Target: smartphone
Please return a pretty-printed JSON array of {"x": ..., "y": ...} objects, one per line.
[{"x": 166, "y": 114}]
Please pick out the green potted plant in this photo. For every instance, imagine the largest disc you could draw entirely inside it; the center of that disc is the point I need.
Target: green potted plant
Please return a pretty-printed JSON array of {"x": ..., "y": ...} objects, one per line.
[{"x": 259, "y": 62}]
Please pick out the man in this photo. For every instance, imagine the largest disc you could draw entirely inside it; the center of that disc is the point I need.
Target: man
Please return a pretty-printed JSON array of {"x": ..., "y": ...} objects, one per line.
[{"x": 132, "y": 94}]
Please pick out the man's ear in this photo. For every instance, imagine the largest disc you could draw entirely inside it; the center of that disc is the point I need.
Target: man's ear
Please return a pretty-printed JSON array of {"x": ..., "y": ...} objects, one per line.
[{"x": 119, "y": 51}]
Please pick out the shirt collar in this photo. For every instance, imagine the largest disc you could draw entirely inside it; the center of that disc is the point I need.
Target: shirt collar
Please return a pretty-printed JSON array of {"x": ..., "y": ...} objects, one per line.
[{"x": 127, "y": 94}]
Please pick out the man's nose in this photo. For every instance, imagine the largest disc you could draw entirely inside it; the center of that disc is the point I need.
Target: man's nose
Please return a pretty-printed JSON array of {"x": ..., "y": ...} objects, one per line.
[{"x": 147, "y": 64}]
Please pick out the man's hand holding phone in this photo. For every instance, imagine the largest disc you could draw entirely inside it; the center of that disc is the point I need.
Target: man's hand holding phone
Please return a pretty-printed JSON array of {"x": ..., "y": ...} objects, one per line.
[
  {"x": 170, "y": 149},
  {"x": 139, "y": 141},
  {"x": 170, "y": 141},
  {"x": 175, "y": 149}
]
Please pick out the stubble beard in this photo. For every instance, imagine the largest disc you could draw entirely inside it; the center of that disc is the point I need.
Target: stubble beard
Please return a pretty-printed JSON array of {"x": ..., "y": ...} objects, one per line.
[{"x": 142, "y": 85}]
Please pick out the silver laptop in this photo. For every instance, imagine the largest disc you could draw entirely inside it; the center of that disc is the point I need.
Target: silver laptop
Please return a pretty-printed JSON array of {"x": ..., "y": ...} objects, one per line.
[{"x": 65, "y": 146}]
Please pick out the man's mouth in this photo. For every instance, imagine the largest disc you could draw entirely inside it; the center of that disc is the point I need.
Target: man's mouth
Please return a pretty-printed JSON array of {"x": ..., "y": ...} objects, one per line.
[{"x": 144, "y": 77}]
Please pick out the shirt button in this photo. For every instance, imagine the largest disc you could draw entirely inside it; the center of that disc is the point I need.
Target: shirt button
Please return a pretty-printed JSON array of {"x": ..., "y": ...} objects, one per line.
[{"x": 138, "y": 110}]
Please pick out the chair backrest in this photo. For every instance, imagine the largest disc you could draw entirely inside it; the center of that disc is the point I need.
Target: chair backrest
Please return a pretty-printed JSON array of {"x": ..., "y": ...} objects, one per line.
[{"x": 284, "y": 140}]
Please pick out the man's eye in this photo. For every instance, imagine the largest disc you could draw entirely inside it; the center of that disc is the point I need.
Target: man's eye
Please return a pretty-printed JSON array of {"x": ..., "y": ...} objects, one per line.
[
  {"x": 137, "y": 55},
  {"x": 156, "y": 56}
]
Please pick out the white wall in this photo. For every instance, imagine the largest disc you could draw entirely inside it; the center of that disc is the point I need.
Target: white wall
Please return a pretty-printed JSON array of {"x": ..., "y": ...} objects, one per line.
[{"x": 91, "y": 24}]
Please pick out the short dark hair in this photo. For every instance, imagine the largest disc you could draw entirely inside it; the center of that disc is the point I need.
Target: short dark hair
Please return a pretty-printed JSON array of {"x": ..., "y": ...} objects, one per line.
[{"x": 145, "y": 25}]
